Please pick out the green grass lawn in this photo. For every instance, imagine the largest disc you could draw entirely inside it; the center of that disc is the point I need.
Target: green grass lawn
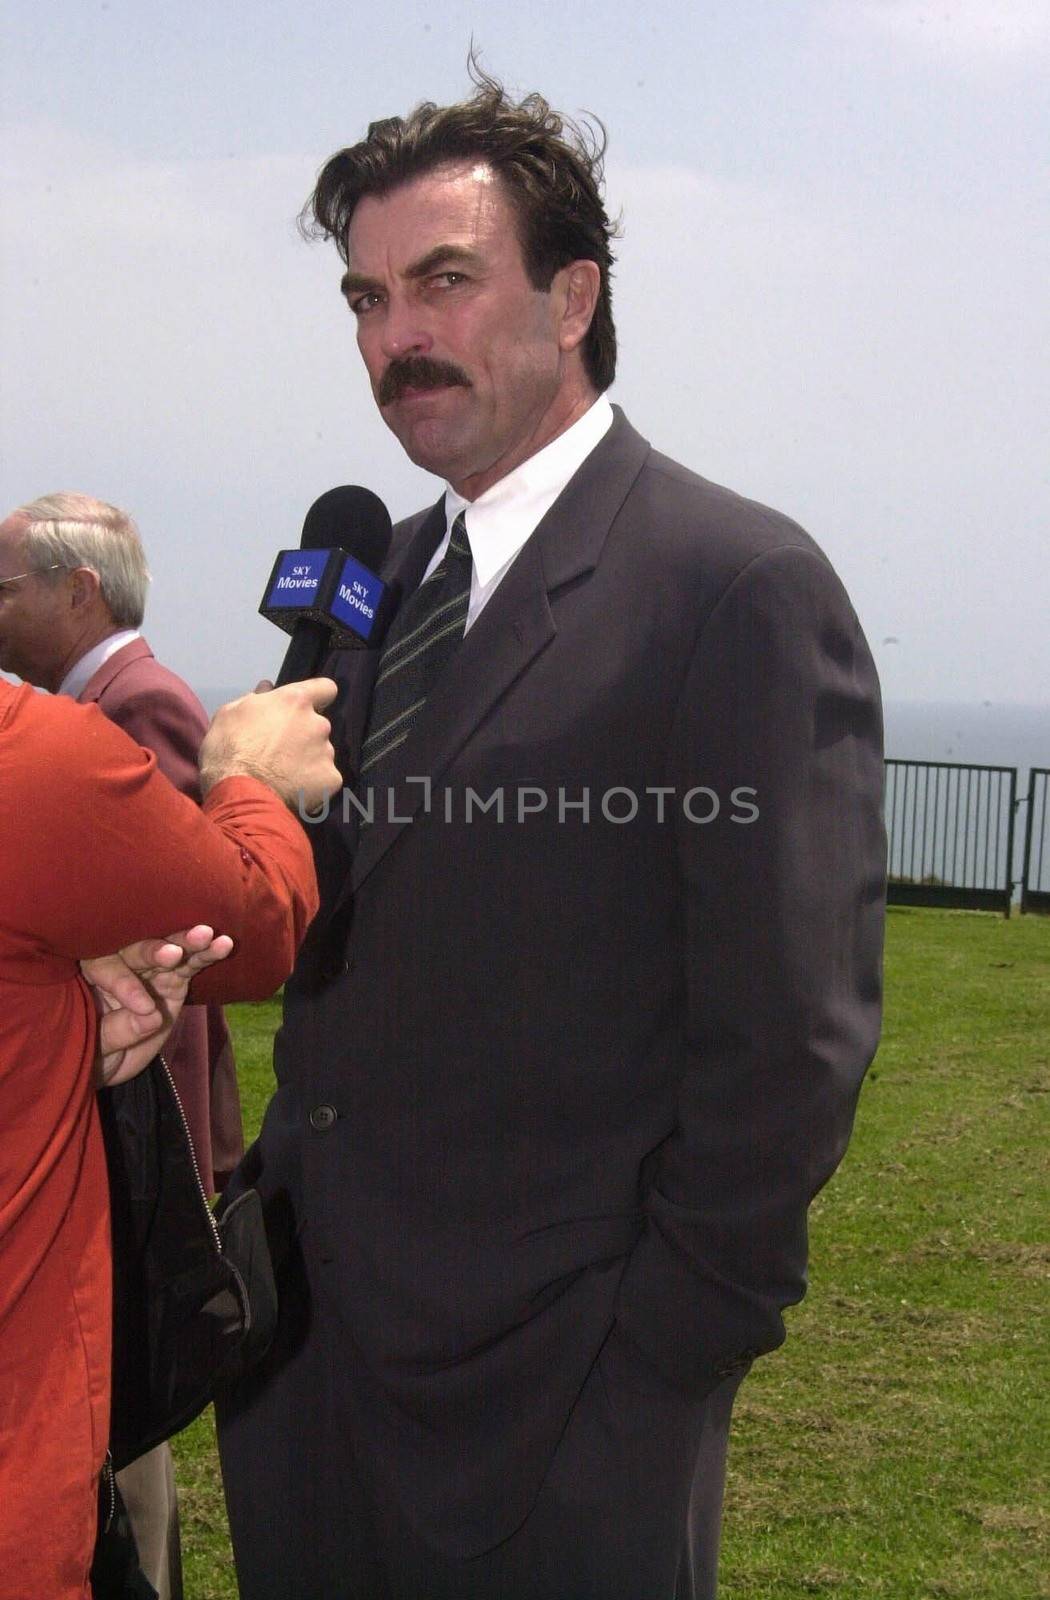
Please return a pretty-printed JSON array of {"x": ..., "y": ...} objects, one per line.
[{"x": 897, "y": 1446}]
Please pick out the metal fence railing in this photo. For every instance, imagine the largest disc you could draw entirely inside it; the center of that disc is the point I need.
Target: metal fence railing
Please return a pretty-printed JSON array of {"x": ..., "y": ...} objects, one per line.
[
  {"x": 1035, "y": 873},
  {"x": 950, "y": 831}
]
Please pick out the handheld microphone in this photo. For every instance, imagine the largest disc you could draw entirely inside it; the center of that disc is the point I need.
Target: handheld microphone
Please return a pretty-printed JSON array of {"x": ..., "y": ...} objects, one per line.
[{"x": 326, "y": 593}]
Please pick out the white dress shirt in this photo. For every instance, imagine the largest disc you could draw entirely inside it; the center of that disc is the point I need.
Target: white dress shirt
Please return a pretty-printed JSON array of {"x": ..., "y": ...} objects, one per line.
[
  {"x": 81, "y": 672},
  {"x": 500, "y": 520}
]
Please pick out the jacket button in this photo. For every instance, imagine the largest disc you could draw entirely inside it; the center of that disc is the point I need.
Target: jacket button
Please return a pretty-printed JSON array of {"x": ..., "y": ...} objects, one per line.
[{"x": 323, "y": 1117}]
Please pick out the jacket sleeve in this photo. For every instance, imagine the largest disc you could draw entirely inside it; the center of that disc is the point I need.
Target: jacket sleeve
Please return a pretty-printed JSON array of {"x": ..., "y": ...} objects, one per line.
[
  {"x": 167, "y": 723},
  {"x": 124, "y": 856},
  {"x": 782, "y": 921}
]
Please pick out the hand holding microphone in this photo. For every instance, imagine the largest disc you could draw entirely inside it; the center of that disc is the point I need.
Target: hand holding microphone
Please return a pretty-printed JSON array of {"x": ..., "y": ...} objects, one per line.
[{"x": 279, "y": 737}]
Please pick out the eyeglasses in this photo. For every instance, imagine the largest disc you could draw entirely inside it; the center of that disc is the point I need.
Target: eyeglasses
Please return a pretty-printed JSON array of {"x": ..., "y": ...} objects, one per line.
[{"x": 55, "y": 566}]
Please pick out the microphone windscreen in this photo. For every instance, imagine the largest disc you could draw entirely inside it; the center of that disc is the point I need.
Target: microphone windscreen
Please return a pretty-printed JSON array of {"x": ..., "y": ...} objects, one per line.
[{"x": 352, "y": 519}]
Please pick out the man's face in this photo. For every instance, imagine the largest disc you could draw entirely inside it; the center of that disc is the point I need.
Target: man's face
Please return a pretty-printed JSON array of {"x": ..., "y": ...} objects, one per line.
[
  {"x": 33, "y": 613},
  {"x": 470, "y": 365}
]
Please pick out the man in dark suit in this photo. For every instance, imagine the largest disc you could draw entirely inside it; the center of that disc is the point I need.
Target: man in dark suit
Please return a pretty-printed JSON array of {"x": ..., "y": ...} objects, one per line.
[
  {"x": 579, "y": 1030},
  {"x": 71, "y": 625}
]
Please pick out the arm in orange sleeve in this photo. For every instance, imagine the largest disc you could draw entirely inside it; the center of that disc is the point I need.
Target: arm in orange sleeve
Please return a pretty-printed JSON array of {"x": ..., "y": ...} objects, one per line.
[{"x": 115, "y": 854}]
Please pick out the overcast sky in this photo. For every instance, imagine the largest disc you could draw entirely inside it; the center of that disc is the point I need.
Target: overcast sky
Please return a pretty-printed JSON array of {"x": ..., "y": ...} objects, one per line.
[{"x": 831, "y": 289}]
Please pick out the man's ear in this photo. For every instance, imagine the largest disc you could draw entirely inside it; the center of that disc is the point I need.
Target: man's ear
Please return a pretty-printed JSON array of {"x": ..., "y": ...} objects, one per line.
[
  {"x": 84, "y": 587},
  {"x": 580, "y": 284}
]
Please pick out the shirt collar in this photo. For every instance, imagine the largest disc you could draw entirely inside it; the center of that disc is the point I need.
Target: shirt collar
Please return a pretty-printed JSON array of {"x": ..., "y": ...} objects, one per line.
[
  {"x": 500, "y": 520},
  {"x": 81, "y": 672}
]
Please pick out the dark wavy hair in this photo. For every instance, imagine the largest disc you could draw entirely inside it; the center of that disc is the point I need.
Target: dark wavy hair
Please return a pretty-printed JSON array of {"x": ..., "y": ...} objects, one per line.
[{"x": 551, "y": 169}]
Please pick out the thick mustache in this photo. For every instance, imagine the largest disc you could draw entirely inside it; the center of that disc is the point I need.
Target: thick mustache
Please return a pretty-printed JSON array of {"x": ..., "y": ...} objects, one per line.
[{"x": 419, "y": 372}]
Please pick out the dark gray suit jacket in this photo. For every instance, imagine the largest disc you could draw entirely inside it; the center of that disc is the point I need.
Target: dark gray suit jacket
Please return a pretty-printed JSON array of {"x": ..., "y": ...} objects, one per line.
[{"x": 586, "y": 1064}]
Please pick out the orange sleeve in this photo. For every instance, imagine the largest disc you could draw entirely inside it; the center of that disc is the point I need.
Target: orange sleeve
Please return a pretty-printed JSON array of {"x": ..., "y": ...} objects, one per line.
[{"x": 111, "y": 852}]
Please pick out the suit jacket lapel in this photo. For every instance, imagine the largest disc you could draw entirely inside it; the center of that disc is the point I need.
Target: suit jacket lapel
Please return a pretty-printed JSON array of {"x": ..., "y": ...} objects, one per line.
[{"x": 514, "y": 627}]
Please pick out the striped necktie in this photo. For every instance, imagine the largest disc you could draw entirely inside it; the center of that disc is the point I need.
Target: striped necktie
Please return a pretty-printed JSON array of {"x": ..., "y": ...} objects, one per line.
[{"x": 424, "y": 634}]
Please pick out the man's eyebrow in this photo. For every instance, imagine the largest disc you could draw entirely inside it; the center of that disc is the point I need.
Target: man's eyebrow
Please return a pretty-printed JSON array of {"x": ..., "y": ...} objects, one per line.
[
  {"x": 443, "y": 255},
  {"x": 355, "y": 283}
]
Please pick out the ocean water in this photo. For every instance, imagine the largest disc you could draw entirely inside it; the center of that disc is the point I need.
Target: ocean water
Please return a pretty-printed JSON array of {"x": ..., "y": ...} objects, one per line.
[{"x": 985, "y": 735}]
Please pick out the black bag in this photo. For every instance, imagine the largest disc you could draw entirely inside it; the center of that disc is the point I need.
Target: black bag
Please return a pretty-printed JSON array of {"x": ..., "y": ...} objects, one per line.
[
  {"x": 194, "y": 1299},
  {"x": 115, "y": 1570}
]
